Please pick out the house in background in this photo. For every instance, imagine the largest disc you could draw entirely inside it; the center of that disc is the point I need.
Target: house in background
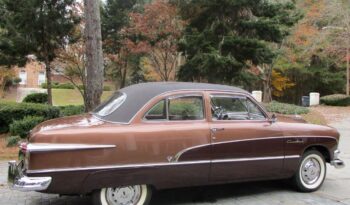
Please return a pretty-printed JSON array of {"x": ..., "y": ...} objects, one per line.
[{"x": 33, "y": 74}]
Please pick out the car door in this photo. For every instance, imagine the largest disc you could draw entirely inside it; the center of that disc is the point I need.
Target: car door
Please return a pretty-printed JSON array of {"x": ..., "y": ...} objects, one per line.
[
  {"x": 245, "y": 143},
  {"x": 180, "y": 138}
]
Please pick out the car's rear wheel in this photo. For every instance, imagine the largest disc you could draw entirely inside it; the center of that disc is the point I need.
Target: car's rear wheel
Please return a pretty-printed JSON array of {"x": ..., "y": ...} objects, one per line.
[
  {"x": 311, "y": 172},
  {"x": 128, "y": 195}
]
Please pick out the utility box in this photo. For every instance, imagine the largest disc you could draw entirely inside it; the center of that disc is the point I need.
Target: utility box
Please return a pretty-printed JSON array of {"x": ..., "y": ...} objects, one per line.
[
  {"x": 305, "y": 101},
  {"x": 257, "y": 94},
  {"x": 314, "y": 99}
]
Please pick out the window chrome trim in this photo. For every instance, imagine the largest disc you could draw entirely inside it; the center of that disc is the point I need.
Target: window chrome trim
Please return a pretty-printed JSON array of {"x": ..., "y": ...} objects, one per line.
[
  {"x": 47, "y": 147},
  {"x": 240, "y": 96},
  {"x": 198, "y": 93},
  {"x": 154, "y": 165}
]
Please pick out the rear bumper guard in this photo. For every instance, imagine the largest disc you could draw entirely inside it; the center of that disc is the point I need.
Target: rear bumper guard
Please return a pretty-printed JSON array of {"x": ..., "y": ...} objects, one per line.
[{"x": 18, "y": 181}]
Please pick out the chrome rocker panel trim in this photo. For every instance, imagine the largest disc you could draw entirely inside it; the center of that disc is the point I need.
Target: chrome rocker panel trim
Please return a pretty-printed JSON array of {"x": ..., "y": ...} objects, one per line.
[
  {"x": 18, "y": 181},
  {"x": 336, "y": 162}
]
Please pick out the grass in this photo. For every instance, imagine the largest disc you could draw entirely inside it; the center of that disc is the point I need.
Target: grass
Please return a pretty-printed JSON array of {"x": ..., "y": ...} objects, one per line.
[
  {"x": 314, "y": 117},
  {"x": 7, "y": 153},
  {"x": 72, "y": 97}
]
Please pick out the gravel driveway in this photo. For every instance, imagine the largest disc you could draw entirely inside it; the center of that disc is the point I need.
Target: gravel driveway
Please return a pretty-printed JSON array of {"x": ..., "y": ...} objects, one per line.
[{"x": 335, "y": 190}]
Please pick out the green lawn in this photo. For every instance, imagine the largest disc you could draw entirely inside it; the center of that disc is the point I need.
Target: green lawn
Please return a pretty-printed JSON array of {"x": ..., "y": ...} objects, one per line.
[{"x": 72, "y": 97}]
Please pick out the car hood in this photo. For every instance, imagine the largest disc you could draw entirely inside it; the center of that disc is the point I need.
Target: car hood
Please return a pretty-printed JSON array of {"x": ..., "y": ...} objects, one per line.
[{"x": 66, "y": 123}]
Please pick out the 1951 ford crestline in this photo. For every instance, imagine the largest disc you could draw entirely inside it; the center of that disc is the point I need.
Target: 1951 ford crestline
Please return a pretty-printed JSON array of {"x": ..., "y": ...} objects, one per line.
[{"x": 165, "y": 135}]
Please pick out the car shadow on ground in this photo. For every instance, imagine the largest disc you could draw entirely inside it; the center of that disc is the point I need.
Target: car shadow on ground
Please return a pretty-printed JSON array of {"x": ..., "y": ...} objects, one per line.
[
  {"x": 212, "y": 194},
  {"x": 198, "y": 195}
]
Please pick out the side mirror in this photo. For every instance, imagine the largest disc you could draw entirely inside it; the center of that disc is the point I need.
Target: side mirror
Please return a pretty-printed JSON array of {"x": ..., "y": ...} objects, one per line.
[{"x": 273, "y": 118}]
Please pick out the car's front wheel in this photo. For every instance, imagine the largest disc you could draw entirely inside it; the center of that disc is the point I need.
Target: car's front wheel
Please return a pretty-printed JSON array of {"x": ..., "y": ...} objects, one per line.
[
  {"x": 128, "y": 195},
  {"x": 311, "y": 172}
]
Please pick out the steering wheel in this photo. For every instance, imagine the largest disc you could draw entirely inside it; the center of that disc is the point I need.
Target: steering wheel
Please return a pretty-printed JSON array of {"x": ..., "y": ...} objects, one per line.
[{"x": 219, "y": 112}]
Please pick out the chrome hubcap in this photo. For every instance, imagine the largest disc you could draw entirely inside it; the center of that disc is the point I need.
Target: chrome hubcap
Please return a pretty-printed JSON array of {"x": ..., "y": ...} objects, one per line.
[
  {"x": 311, "y": 171},
  {"x": 123, "y": 195}
]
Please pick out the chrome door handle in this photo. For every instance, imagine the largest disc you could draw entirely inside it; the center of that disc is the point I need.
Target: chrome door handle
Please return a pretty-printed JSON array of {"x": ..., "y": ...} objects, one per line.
[
  {"x": 217, "y": 129},
  {"x": 295, "y": 141}
]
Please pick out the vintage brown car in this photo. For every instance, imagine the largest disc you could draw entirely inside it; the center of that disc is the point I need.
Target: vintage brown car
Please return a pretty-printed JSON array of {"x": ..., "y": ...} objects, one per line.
[{"x": 164, "y": 135}]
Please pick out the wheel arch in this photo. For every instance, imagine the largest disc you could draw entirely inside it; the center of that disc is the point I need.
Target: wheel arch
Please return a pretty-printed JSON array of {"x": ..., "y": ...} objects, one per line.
[{"x": 322, "y": 149}]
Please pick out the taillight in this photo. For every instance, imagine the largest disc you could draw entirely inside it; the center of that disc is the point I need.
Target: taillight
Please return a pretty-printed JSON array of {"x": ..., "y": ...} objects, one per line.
[{"x": 23, "y": 147}]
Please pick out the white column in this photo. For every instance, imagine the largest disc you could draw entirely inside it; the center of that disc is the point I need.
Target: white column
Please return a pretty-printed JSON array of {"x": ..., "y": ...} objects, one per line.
[
  {"x": 314, "y": 99},
  {"x": 257, "y": 94}
]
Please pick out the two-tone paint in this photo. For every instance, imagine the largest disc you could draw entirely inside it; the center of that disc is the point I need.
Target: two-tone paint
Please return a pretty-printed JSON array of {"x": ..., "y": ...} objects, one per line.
[{"x": 84, "y": 153}]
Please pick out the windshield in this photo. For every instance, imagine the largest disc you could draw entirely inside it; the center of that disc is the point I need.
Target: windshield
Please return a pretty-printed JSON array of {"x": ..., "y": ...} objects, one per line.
[{"x": 111, "y": 104}]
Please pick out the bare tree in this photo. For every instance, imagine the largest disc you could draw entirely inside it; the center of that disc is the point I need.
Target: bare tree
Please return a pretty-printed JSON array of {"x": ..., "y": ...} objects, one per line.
[{"x": 94, "y": 56}]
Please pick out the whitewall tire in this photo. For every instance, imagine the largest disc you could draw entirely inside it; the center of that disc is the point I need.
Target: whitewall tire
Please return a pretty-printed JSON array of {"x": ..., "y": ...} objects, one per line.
[
  {"x": 311, "y": 172},
  {"x": 128, "y": 195}
]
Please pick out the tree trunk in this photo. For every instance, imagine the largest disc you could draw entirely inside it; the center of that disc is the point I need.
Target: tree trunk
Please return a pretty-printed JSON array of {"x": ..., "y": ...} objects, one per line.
[
  {"x": 267, "y": 94},
  {"x": 267, "y": 91},
  {"x": 48, "y": 81},
  {"x": 94, "y": 57},
  {"x": 123, "y": 75}
]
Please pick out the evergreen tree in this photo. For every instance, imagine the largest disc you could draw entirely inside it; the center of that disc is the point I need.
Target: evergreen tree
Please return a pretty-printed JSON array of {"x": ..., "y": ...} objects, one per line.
[
  {"x": 36, "y": 27},
  {"x": 115, "y": 18},
  {"x": 224, "y": 37}
]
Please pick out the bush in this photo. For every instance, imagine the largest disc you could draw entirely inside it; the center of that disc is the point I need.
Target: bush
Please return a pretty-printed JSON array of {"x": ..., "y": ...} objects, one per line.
[
  {"x": 71, "y": 110},
  {"x": 36, "y": 98},
  {"x": 336, "y": 100},
  {"x": 57, "y": 85},
  {"x": 10, "y": 111},
  {"x": 284, "y": 108},
  {"x": 12, "y": 141},
  {"x": 22, "y": 127}
]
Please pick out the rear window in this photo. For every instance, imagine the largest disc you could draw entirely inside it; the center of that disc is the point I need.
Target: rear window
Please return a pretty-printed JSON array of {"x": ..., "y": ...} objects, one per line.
[{"x": 111, "y": 104}]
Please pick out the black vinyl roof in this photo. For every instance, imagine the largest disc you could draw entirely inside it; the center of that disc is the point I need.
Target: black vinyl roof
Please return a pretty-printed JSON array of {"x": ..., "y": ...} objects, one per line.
[{"x": 140, "y": 94}]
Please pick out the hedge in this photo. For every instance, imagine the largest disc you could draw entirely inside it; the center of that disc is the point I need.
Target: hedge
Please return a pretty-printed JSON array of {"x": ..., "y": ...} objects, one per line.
[
  {"x": 57, "y": 85},
  {"x": 11, "y": 111},
  {"x": 336, "y": 100},
  {"x": 287, "y": 109},
  {"x": 71, "y": 110},
  {"x": 22, "y": 127},
  {"x": 36, "y": 98}
]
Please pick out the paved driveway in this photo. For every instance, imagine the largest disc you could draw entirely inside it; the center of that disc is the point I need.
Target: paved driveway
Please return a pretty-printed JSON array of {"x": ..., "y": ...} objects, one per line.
[{"x": 335, "y": 190}]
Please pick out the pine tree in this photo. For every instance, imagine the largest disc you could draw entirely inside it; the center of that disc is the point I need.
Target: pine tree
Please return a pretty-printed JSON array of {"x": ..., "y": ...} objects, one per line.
[
  {"x": 36, "y": 27},
  {"x": 224, "y": 37}
]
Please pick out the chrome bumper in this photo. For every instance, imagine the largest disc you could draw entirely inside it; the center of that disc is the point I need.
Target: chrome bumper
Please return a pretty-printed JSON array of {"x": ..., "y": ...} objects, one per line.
[
  {"x": 336, "y": 162},
  {"x": 18, "y": 181}
]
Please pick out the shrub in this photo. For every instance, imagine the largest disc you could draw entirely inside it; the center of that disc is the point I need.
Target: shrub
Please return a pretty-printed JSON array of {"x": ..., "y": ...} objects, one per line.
[
  {"x": 57, "y": 85},
  {"x": 12, "y": 141},
  {"x": 10, "y": 111},
  {"x": 36, "y": 98},
  {"x": 336, "y": 100},
  {"x": 22, "y": 127},
  {"x": 287, "y": 109},
  {"x": 71, "y": 110}
]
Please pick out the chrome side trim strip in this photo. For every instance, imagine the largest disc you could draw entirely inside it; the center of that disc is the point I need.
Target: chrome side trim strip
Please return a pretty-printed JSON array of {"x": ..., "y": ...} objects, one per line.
[
  {"x": 47, "y": 147},
  {"x": 292, "y": 156},
  {"x": 117, "y": 166},
  {"x": 150, "y": 165},
  {"x": 247, "y": 159}
]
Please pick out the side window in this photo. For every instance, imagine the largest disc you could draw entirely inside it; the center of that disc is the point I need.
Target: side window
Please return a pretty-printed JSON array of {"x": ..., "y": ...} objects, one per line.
[
  {"x": 157, "y": 112},
  {"x": 234, "y": 108},
  {"x": 186, "y": 108},
  {"x": 254, "y": 112}
]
